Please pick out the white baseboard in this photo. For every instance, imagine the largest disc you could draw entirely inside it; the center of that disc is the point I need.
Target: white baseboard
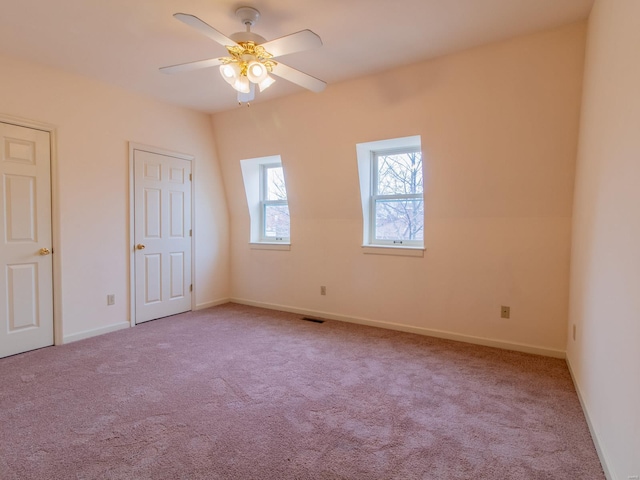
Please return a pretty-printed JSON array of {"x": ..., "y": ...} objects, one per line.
[
  {"x": 487, "y": 342},
  {"x": 214, "y": 303},
  {"x": 96, "y": 331},
  {"x": 594, "y": 433},
  {"x": 118, "y": 326}
]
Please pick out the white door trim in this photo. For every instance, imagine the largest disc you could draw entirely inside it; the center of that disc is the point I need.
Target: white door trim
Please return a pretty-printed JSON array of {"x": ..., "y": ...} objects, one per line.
[
  {"x": 132, "y": 283},
  {"x": 55, "y": 219}
]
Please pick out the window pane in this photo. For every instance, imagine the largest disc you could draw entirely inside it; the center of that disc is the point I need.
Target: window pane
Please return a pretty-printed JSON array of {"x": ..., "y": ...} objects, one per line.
[
  {"x": 276, "y": 221},
  {"x": 400, "y": 173},
  {"x": 276, "y": 189},
  {"x": 399, "y": 219}
]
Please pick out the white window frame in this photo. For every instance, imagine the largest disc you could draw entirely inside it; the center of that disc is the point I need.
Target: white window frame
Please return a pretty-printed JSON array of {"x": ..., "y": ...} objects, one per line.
[
  {"x": 367, "y": 172},
  {"x": 252, "y": 176},
  {"x": 264, "y": 203},
  {"x": 375, "y": 196}
]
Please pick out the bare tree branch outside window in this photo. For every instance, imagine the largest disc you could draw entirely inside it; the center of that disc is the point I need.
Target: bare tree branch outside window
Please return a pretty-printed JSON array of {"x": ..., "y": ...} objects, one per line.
[
  {"x": 398, "y": 199},
  {"x": 276, "y": 209}
]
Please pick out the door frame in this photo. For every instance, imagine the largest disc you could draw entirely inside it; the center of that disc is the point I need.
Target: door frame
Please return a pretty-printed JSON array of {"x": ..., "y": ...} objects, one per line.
[
  {"x": 132, "y": 266},
  {"x": 56, "y": 244}
]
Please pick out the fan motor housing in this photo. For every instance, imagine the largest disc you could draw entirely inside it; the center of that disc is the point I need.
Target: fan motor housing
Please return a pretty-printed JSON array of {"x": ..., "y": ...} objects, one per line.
[{"x": 247, "y": 37}]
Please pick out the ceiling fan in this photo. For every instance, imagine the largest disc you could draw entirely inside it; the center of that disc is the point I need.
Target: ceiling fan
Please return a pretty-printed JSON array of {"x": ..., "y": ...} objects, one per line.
[{"x": 251, "y": 57}]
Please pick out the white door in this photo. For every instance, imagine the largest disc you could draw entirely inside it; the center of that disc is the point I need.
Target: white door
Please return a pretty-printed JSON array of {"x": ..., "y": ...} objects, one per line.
[
  {"x": 26, "y": 279},
  {"x": 162, "y": 235}
]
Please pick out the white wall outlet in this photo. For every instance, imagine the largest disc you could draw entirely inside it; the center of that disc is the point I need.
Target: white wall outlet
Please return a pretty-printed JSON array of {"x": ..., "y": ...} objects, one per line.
[
  {"x": 505, "y": 312},
  {"x": 323, "y": 290},
  {"x": 111, "y": 299}
]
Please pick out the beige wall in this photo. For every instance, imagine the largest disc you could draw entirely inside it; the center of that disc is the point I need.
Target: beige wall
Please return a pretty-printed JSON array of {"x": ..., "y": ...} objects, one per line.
[
  {"x": 94, "y": 124},
  {"x": 605, "y": 273},
  {"x": 499, "y": 131}
]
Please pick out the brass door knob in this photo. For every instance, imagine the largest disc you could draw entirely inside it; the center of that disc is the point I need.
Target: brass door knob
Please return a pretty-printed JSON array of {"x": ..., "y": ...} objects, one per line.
[
  {"x": 140, "y": 246},
  {"x": 45, "y": 251}
]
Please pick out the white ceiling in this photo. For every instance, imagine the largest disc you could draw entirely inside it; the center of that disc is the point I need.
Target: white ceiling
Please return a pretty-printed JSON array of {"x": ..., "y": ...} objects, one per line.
[{"x": 124, "y": 42}]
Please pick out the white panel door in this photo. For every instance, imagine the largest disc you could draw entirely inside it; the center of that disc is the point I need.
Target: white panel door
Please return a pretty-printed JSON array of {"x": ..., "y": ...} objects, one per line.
[
  {"x": 162, "y": 235},
  {"x": 26, "y": 280}
]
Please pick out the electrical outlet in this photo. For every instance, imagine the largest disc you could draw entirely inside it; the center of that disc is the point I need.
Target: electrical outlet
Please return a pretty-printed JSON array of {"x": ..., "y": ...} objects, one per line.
[
  {"x": 505, "y": 312},
  {"x": 111, "y": 299},
  {"x": 323, "y": 290}
]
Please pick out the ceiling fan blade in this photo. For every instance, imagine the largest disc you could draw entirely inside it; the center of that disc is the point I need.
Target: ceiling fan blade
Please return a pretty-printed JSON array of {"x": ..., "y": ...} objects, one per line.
[
  {"x": 299, "y": 78},
  {"x": 295, "y": 42},
  {"x": 186, "y": 67},
  {"x": 204, "y": 28}
]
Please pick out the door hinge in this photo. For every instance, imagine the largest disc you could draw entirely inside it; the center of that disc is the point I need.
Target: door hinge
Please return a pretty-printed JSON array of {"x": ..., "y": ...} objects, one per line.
[
  {"x": 191, "y": 287},
  {"x": 190, "y": 177},
  {"x": 190, "y": 233}
]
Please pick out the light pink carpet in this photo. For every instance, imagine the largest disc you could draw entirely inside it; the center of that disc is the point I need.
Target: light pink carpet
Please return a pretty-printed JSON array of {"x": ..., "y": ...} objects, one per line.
[{"x": 236, "y": 392}]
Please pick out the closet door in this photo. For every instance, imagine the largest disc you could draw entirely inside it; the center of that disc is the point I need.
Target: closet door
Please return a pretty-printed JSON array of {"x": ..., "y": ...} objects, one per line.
[{"x": 26, "y": 280}]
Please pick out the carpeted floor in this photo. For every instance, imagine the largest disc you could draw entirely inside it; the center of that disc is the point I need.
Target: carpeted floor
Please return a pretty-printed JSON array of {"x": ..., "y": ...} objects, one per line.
[{"x": 236, "y": 392}]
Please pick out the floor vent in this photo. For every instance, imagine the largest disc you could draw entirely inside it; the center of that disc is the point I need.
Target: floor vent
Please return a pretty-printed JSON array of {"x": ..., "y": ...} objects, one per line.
[{"x": 314, "y": 320}]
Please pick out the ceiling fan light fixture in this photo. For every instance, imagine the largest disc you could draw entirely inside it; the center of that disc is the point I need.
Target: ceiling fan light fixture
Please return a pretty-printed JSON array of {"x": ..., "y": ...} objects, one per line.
[
  {"x": 250, "y": 59},
  {"x": 266, "y": 83}
]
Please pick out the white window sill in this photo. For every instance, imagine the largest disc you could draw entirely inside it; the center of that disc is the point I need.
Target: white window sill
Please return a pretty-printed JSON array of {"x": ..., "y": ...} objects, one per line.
[
  {"x": 393, "y": 250},
  {"x": 269, "y": 246}
]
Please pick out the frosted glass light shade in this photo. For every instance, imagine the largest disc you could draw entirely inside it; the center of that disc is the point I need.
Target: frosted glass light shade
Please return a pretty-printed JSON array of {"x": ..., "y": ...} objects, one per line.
[
  {"x": 230, "y": 72},
  {"x": 242, "y": 84},
  {"x": 266, "y": 83},
  {"x": 256, "y": 71}
]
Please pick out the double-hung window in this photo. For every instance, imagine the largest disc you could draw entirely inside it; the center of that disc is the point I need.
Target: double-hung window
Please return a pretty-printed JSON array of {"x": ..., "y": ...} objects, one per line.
[
  {"x": 392, "y": 193},
  {"x": 264, "y": 186},
  {"x": 275, "y": 220},
  {"x": 397, "y": 204}
]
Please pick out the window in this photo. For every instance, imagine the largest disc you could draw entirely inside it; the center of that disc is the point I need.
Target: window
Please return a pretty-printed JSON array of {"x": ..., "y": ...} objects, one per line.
[
  {"x": 266, "y": 192},
  {"x": 275, "y": 219},
  {"x": 392, "y": 193},
  {"x": 397, "y": 206}
]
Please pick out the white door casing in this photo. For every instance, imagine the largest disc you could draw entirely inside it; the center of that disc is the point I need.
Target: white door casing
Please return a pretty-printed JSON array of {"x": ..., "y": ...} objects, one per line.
[
  {"x": 26, "y": 280},
  {"x": 162, "y": 246}
]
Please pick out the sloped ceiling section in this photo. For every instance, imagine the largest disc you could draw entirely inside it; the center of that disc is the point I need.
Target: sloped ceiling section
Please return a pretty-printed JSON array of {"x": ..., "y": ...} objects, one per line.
[{"x": 124, "y": 43}]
